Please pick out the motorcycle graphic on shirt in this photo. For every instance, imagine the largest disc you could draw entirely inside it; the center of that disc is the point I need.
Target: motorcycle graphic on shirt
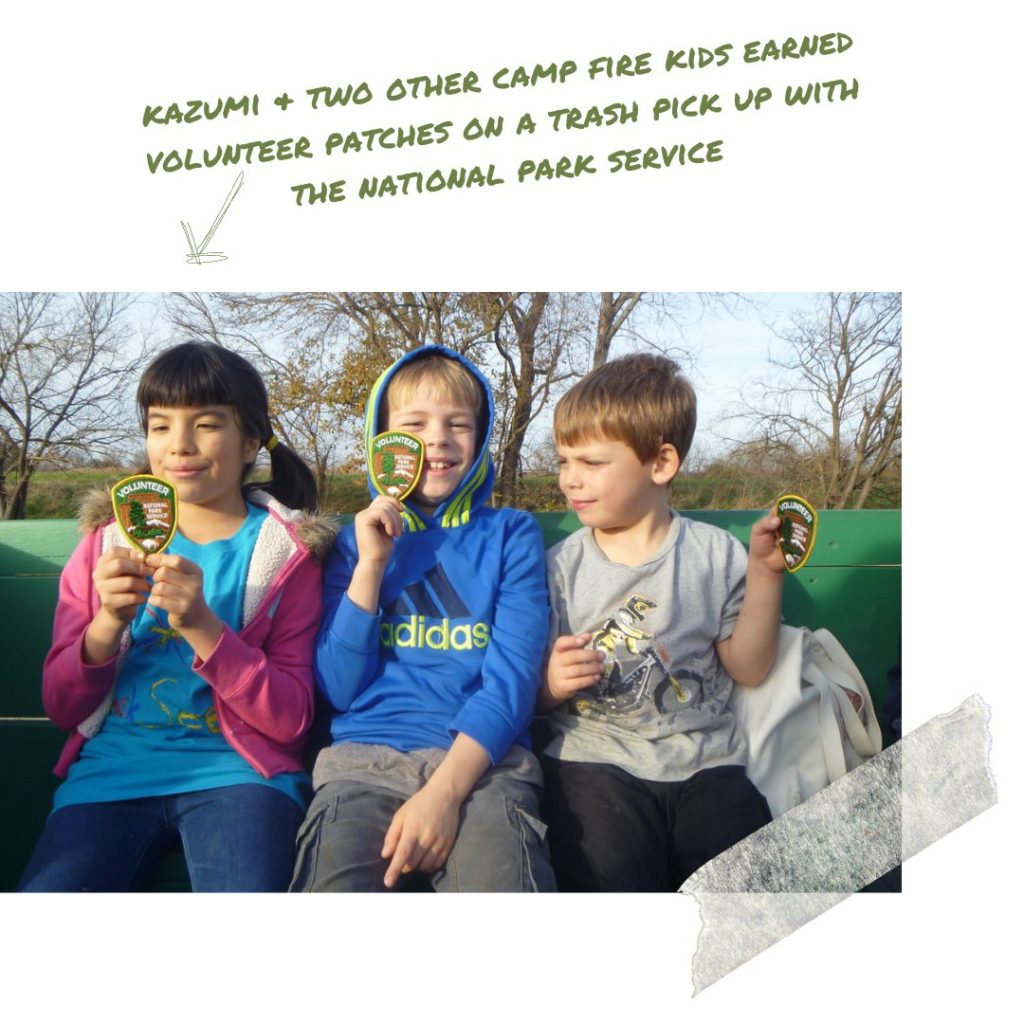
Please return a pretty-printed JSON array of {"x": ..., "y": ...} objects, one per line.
[{"x": 636, "y": 668}]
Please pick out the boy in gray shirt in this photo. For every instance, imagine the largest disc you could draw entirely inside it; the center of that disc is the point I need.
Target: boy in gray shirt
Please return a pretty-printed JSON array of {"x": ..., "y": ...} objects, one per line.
[{"x": 656, "y": 616}]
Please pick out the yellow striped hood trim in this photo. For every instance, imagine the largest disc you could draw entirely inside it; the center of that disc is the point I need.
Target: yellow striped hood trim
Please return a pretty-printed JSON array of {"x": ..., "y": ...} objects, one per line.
[{"x": 476, "y": 486}]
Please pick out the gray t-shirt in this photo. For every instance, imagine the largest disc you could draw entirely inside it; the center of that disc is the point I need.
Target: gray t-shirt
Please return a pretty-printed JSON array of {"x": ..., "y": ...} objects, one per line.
[{"x": 661, "y": 709}]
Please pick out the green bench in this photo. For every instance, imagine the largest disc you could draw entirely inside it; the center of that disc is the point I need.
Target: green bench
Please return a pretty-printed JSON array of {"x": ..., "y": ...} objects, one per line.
[{"x": 851, "y": 586}]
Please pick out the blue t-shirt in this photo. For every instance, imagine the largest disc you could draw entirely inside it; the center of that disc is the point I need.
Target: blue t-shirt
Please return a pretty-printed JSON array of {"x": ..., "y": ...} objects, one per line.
[{"x": 162, "y": 735}]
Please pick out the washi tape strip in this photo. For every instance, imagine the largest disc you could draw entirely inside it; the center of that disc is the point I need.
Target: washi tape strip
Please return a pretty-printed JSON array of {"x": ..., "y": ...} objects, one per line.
[
  {"x": 395, "y": 462},
  {"x": 798, "y": 530},
  {"x": 841, "y": 839},
  {"x": 146, "y": 509}
]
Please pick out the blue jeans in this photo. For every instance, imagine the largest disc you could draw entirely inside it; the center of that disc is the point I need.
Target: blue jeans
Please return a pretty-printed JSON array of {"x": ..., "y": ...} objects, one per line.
[{"x": 235, "y": 838}]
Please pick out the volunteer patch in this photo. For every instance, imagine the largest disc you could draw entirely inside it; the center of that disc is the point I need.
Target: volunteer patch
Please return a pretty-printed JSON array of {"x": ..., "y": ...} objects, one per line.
[
  {"x": 146, "y": 509},
  {"x": 395, "y": 463},
  {"x": 798, "y": 530}
]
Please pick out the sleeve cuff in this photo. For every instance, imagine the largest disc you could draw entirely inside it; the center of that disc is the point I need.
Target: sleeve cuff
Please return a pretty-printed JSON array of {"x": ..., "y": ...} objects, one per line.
[
  {"x": 354, "y": 628},
  {"x": 102, "y": 673},
  {"x": 495, "y": 742}
]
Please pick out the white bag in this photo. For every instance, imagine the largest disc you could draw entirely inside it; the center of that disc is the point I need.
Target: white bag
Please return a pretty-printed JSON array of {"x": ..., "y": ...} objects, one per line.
[{"x": 810, "y": 721}]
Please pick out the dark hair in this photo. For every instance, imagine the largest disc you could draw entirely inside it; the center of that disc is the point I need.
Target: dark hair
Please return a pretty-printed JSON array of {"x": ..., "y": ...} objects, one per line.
[{"x": 198, "y": 373}]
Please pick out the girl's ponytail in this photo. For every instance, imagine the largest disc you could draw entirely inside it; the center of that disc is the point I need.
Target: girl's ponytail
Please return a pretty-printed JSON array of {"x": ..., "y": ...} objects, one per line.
[{"x": 291, "y": 481}]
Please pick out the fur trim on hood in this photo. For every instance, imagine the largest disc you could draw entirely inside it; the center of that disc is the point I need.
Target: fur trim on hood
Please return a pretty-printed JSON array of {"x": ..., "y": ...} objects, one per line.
[{"x": 317, "y": 533}]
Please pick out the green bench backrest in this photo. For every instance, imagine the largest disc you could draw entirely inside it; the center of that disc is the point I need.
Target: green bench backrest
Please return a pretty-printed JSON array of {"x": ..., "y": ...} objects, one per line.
[{"x": 851, "y": 586}]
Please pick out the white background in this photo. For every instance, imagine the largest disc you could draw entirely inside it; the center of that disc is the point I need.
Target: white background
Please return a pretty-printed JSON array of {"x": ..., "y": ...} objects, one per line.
[{"x": 908, "y": 188}]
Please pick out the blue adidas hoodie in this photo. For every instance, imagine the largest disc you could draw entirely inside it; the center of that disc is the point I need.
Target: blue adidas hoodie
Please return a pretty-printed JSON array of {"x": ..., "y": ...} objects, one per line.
[{"x": 457, "y": 642}]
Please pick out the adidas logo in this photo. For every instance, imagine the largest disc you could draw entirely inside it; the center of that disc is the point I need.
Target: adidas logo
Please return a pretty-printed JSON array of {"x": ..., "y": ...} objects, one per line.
[
  {"x": 431, "y": 599},
  {"x": 442, "y": 636}
]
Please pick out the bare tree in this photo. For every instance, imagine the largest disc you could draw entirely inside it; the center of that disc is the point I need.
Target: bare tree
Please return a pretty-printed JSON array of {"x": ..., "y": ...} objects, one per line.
[
  {"x": 66, "y": 363},
  {"x": 659, "y": 321},
  {"x": 523, "y": 314},
  {"x": 613, "y": 312},
  {"x": 832, "y": 412},
  {"x": 401, "y": 321},
  {"x": 300, "y": 358},
  {"x": 322, "y": 351},
  {"x": 543, "y": 341}
]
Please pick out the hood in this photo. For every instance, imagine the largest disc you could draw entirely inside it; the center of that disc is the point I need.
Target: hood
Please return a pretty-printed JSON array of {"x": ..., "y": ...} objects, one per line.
[
  {"x": 475, "y": 488},
  {"x": 315, "y": 532}
]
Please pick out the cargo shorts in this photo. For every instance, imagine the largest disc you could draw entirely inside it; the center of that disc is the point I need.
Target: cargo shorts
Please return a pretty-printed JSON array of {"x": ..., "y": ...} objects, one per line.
[{"x": 500, "y": 846}]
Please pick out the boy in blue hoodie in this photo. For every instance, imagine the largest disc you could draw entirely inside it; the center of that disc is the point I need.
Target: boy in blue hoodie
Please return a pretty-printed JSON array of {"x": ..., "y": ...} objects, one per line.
[{"x": 435, "y": 621}]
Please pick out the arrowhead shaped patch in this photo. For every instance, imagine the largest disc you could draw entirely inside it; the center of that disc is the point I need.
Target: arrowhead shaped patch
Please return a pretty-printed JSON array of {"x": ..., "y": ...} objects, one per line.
[
  {"x": 146, "y": 509},
  {"x": 798, "y": 530},
  {"x": 396, "y": 462}
]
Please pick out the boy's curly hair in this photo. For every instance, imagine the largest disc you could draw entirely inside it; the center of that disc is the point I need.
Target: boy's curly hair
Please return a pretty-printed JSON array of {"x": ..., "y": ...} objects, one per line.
[{"x": 642, "y": 400}]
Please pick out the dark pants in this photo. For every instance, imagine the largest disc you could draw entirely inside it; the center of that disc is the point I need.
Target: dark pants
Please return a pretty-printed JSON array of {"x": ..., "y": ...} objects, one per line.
[
  {"x": 235, "y": 838},
  {"x": 609, "y": 831}
]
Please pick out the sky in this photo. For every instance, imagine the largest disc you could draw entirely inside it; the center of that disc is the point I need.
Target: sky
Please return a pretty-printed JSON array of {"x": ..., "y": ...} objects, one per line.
[{"x": 730, "y": 346}]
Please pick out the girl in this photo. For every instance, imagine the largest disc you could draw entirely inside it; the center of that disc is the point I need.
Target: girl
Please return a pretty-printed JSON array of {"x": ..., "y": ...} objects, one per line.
[{"x": 187, "y": 676}]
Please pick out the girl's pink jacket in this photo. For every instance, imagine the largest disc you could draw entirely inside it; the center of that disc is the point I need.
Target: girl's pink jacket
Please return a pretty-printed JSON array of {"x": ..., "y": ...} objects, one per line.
[{"x": 261, "y": 677}]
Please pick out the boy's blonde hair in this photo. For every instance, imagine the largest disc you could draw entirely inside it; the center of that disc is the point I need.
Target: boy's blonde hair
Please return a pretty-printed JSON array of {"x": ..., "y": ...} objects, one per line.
[
  {"x": 641, "y": 400},
  {"x": 451, "y": 382}
]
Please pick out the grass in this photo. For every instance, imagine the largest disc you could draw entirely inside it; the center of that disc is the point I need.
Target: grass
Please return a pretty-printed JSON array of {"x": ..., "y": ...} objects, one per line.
[{"x": 56, "y": 494}]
